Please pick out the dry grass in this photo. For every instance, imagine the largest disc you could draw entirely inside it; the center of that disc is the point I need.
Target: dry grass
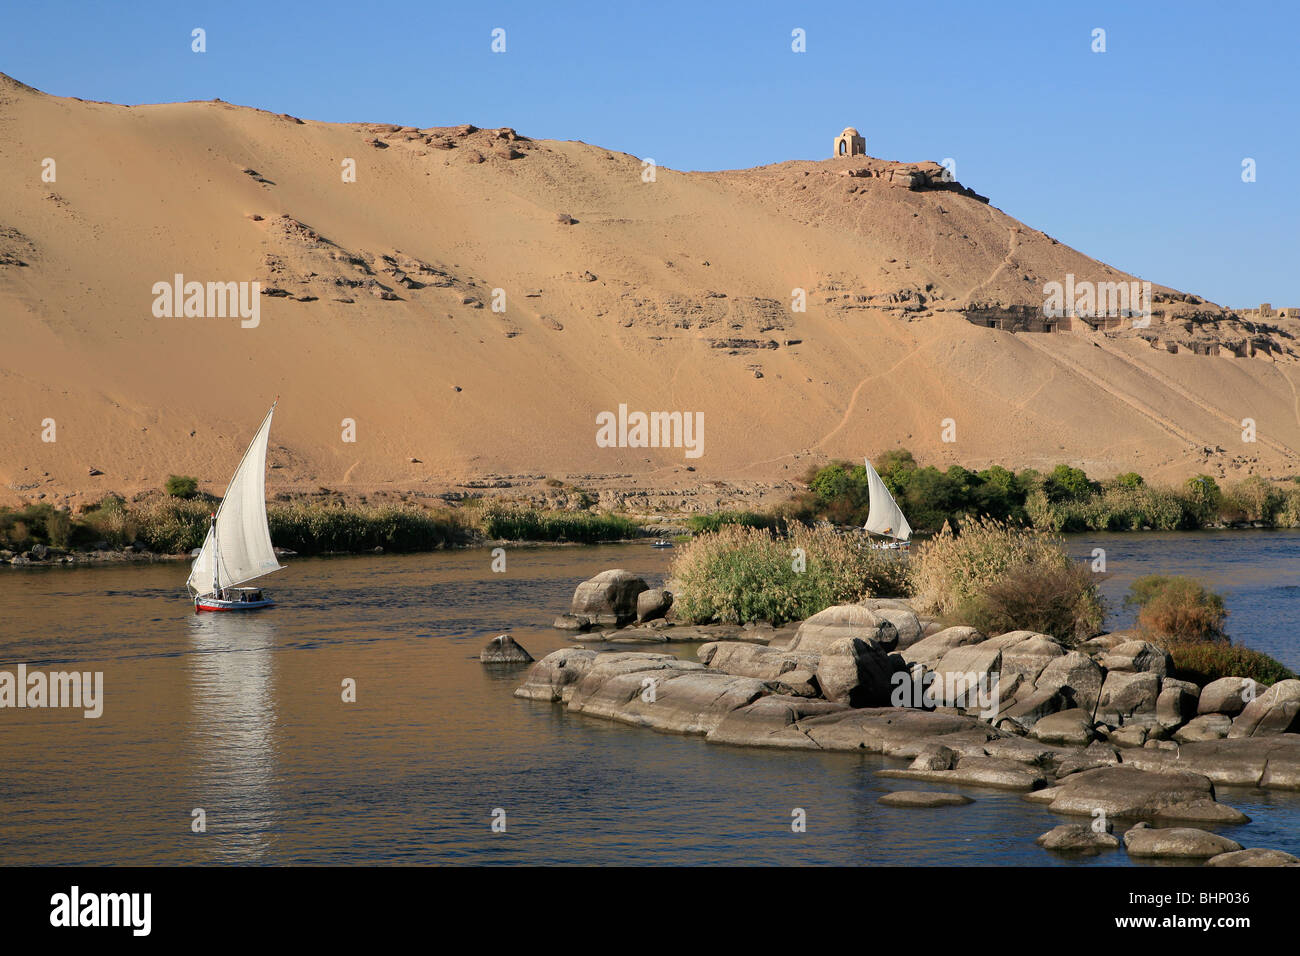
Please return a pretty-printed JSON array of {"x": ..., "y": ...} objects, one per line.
[
  {"x": 739, "y": 574},
  {"x": 1003, "y": 578}
]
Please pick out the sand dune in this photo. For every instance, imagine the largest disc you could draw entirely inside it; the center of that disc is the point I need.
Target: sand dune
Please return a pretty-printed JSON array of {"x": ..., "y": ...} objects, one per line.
[{"x": 377, "y": 302}]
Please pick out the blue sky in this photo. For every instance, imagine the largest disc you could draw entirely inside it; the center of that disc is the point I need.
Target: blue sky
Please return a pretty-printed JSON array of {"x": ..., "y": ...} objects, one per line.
[{"x": 1132, "y": 156}]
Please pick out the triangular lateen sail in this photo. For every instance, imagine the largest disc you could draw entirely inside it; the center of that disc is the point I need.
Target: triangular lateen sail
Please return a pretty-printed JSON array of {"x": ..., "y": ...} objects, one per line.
[
  {"x": 243, "y": 548},
  {"x": 884, "y": 517}
]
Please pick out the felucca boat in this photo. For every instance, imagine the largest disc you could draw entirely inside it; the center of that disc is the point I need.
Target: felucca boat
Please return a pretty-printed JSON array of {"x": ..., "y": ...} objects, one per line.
[
  {"x": 238, "y": 546},
  {"x": 884, "y": 517}
]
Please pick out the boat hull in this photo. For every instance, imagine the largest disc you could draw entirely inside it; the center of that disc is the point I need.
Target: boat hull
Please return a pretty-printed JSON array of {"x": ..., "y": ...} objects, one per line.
[{"x": 216, "y": 604}]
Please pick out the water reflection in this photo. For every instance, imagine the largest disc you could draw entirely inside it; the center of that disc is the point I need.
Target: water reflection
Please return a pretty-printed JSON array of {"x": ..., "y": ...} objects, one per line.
[{"x": 233, "y": 732}]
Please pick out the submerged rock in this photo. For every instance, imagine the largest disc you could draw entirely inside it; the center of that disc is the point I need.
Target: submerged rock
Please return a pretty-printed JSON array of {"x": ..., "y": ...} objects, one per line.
[
  {"x": 1253, "y": 857},
  {"x": 1078, "y": 838},
  {"x": 504, "y": 650},
  {"x": 1131, "y": 793},
  {"x": 923, "y": 798},
  {"x": 978, "y": 771}
]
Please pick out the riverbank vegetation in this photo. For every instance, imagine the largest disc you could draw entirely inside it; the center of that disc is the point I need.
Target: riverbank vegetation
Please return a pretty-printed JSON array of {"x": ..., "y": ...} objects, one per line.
[
  {"x": 176, "y": 524},
  {"x": 1201, "y": 663},
  {"x": 998, "y": 578},
  {"x": 1065, "y": 499},
  {"x": 1178, "y": 609},
  {"x": 518, "y": 523},
  {"x": 739, "y": 574},
  {"x": 992, "y": 576},
  {"x": 1189, "y": 621}
]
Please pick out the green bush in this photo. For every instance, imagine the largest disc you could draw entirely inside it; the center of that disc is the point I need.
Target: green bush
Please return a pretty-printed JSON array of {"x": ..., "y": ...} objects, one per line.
[
  {"x": 181, "y": 486},
  {"x": 1068, "y": 484},
  {"x": 739, "y": 574},
  {"x": 1177, "y": 609},
  {"x": 1204, "y": 498},
  {"x": 1201, "y": 663}
]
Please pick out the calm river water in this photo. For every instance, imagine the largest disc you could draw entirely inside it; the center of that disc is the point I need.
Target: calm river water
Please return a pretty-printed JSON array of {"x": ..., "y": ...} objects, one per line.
[{"x": 242, "y": 717}]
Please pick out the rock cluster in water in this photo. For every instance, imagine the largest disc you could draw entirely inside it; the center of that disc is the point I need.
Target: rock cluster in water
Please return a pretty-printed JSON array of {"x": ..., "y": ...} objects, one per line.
[{"x": 1100, "y": 730}]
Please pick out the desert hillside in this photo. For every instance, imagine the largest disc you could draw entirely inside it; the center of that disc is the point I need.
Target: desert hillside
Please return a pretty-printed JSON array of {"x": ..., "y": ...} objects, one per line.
[{"x": 377, "y": 305}]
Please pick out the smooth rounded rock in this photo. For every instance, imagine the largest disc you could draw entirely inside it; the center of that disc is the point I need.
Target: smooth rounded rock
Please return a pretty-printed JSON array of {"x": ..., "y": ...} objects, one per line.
[
  {"x": 1228, "y": 695},
  {"x": 1177, "y": 843}
]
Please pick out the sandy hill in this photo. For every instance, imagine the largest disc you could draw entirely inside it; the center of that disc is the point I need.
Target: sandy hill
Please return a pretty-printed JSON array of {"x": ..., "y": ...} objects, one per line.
[{"x": 377, "y": 304}]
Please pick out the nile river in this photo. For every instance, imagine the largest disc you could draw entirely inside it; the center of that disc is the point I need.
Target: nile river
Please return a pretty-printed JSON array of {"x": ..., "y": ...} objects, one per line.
[{"x": 243, "y": 718}]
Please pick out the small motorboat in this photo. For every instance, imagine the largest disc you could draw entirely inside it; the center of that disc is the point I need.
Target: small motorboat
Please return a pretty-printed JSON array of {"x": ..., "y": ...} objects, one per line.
[{"x": 661, "y": 543}]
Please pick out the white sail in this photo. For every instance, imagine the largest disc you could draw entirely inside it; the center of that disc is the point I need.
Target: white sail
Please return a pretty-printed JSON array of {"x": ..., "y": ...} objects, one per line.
[
  {"x": 241, "y": 546},
  {"x": 885, "y": 517}
]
